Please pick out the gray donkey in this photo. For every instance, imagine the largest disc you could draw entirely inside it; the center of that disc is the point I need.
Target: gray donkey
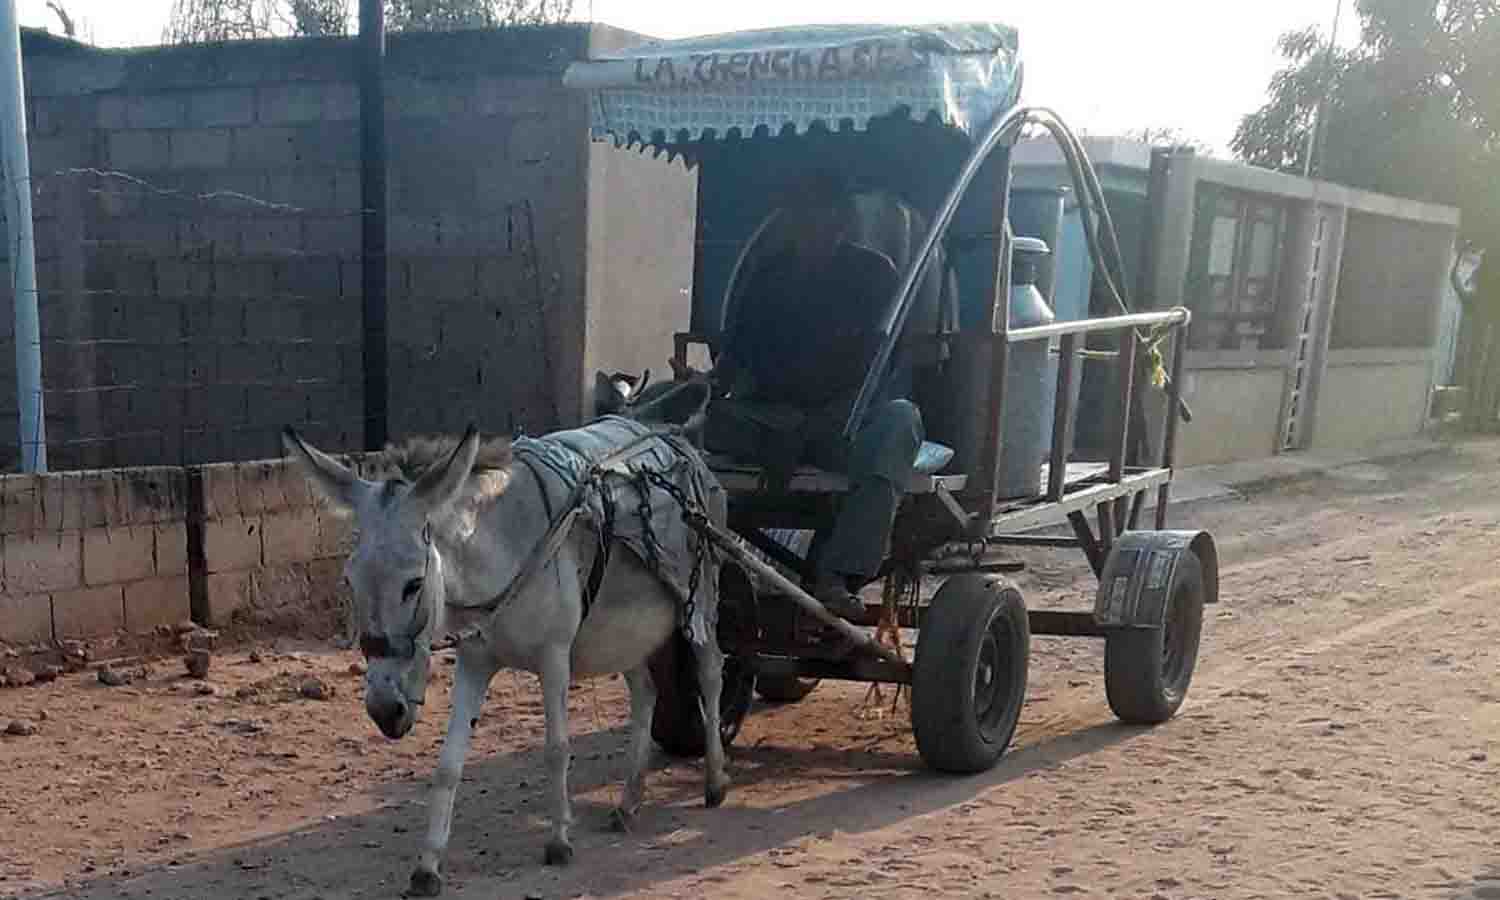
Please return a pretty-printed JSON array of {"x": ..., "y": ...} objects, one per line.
[{"x": 452, "y": 533}]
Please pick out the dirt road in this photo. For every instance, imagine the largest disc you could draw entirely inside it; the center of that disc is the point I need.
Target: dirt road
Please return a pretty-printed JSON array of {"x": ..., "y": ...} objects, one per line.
[{"x": 1342, "y": 739}]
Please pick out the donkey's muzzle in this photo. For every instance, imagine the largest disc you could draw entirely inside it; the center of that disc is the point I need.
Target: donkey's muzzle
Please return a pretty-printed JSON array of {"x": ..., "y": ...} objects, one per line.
[{"x": 394, "y": 717}]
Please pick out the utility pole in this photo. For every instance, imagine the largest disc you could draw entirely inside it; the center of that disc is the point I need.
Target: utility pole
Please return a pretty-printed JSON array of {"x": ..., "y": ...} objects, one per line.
[
  {"x": 373, "y": 220},
  {"x": 1312, "y": 133},
  {"x": 17, "y": 165}
]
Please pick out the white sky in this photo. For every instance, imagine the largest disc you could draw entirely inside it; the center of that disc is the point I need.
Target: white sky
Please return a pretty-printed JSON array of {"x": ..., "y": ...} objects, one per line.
[{"x": 1105, "y": 65}]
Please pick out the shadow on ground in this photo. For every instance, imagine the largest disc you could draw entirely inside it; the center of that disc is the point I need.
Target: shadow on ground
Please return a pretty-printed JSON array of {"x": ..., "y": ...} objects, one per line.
[{"x": 500, "y": 824}]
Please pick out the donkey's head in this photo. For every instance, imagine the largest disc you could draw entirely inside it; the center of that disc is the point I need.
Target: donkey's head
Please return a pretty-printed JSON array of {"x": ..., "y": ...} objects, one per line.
[{"x": 396, "y": 569}]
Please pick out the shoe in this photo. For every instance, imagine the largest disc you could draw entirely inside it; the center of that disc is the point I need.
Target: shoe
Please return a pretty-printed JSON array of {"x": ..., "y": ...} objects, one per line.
[{"x": 837, "y": 599}]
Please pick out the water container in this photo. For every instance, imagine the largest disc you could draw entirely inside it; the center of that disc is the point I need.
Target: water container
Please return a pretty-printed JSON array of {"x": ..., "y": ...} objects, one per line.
[{"x": 1029, "y": 390}]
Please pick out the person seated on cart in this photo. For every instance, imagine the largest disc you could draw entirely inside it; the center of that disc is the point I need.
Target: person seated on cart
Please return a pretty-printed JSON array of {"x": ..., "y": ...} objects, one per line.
[{"x": 801, "y": 332}]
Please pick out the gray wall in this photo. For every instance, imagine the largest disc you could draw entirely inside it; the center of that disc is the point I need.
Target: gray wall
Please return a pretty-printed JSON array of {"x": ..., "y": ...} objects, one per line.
[{"x": 197, "y": 223}]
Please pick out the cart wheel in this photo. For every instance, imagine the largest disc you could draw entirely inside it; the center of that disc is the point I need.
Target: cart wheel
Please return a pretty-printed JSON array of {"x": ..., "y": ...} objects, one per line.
[
  {"x": 677, "y": 722},
  {"x": 1147, "y": 671},
  {"x": 787, "y": 688},
  {"x": 969, "y": 677}
]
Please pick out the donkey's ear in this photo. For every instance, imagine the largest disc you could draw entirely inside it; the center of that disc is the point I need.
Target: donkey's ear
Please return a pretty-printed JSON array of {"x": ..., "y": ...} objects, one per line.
[
  {"x": 440, "y": 484},
  {"x": 345, "y": 490}
]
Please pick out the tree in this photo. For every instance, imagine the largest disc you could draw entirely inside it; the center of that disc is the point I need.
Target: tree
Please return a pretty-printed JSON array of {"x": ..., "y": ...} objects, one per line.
[
  {"x": 1413, "y": 110},
  {"x": 198, "y": 21},
  {"x": 1166, "y": 136}
]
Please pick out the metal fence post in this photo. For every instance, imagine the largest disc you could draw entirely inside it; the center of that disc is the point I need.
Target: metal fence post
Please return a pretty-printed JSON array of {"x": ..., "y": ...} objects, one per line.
[
  {"x": 373, "y": 218},
  {"x": 17, "y": 171}
]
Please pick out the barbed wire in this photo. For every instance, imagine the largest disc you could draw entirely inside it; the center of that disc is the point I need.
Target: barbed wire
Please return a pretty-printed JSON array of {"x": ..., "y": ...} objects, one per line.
[{"x": 175, "y": 332}]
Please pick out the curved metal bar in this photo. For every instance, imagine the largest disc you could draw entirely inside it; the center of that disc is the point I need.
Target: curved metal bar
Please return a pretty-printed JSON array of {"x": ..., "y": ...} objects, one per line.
[{"x": 895, "y": 320}]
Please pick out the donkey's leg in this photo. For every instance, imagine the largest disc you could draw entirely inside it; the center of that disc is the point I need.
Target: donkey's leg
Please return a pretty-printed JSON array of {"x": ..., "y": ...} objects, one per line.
[
  {"x": 710, "y": 685},
  {"x": 556, "y": 674},
  {"x": 642, "y": 704},
  {"x": 470, "y": 682}
]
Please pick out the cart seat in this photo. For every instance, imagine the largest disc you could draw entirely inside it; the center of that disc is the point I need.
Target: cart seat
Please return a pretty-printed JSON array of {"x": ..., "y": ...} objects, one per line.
[{"x": 743, "y": 478}]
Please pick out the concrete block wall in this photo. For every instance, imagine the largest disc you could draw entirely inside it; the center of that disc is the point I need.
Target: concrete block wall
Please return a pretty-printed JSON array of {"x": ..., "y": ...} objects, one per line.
[
  {"x": 85, "y": 554},
  {"x": 198, "y": 223},
  {"x": 272, "y": 553}
]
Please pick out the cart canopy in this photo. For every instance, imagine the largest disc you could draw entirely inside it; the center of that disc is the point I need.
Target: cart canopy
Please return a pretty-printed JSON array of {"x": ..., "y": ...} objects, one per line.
[{"x": 794, "y": 79}]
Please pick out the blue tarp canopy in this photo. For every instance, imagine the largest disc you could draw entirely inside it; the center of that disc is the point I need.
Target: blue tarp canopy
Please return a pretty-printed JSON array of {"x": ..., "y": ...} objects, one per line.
[{"x": 783, "y": 79}]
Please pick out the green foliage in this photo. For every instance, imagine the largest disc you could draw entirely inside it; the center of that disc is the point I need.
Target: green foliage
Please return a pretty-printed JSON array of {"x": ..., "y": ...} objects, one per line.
[
  {"x": 1413, "y": 109},
  {"x": 200, "y": 21}
]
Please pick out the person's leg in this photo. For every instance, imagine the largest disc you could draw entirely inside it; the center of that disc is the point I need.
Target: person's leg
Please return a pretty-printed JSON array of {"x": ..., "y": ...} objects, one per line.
[{"x": 878, "y": 464}]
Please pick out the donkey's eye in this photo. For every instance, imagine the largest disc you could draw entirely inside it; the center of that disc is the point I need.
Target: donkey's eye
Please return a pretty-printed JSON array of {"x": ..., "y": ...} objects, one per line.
[{"x": 412, "y": 589}]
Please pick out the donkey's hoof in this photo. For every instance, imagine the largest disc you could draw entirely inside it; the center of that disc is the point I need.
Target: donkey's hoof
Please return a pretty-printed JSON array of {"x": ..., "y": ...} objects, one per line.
[
  {"x": 621, "y": 821},
  {"x": 558, "y": 853},
  {"x": 714, "y": 794},
  {"x": 425, "y": 884}
]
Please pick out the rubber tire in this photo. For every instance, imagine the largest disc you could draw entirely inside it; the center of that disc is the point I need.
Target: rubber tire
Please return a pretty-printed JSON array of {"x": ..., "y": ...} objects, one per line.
[
  {"x": 787, "y": 688},
  {"x": 784, "y": 688},
  {"x": 966, "y": 611},
  {"x": 1140, "y": 688},
  {"x": 677, "y": 722}
]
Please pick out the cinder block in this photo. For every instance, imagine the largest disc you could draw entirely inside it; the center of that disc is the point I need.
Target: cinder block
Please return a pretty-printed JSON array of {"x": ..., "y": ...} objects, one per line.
[
  {"x": 183, "y": 278},
  {"x": 155, "y": 495},
  {"x": 209, "y": 238},
  {"x": 421, "y": 98},
  {"x": 159, "y": 601},
  {"x": 20, "y": 503},
  {"x": 310, "y": 364},
  {"x": 158, "y": 111},
  {"x": 312, "y": 191},
  {"x": 90, "y": 612},
  {"x": 332, "y": 237},
  {"x": 216, "y": 320},
  {"x": 442, "y": 279},
  {"x": 231, "y": 544},
  {"x": 112, "y": 112},
  {"x": 272, "y": 237},
  {"x": 220, "y": 107},
  {"x": 336, "y": 535},
  {"x": 226, "y": 594},
  {"x": 260, "y": 147},
  {"x": 327, "y": 145},
  {"x": 171, "y": 549},
  {"x": 340, "y": 102},
  {"x": 117, "y": 555},
  {"x": 271, "y": 321},
  {"x": 259, "y": 490},
  {"x": 25, "y": 618},
  {"x": 48, "y": 154},
  {"x": 285, "y": 104},
  {"x": 512, "y": 96},
  {"x": 252, "y": 281},
  {"x": 308, "y": 279},
  {"x": 290, "y": 537},
  {"x": 138, "y": 151},
  {"x": 43, "y": 562},
  {"x": 205, "y": 148},
  {"x": 295, "y": 486},
  {"x": 331, "y": 322},
  {"x": 63, "y": 114},
  {"x": 533, "y": 141}
]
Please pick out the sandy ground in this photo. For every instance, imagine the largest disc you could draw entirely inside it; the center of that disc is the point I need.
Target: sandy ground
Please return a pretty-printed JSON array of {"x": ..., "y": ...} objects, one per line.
[{"x": 1342, "y": 739}]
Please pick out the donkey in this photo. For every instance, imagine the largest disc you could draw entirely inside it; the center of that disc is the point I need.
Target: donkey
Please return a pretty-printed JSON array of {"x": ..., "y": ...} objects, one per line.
[{"x": 452, "y": 531}]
